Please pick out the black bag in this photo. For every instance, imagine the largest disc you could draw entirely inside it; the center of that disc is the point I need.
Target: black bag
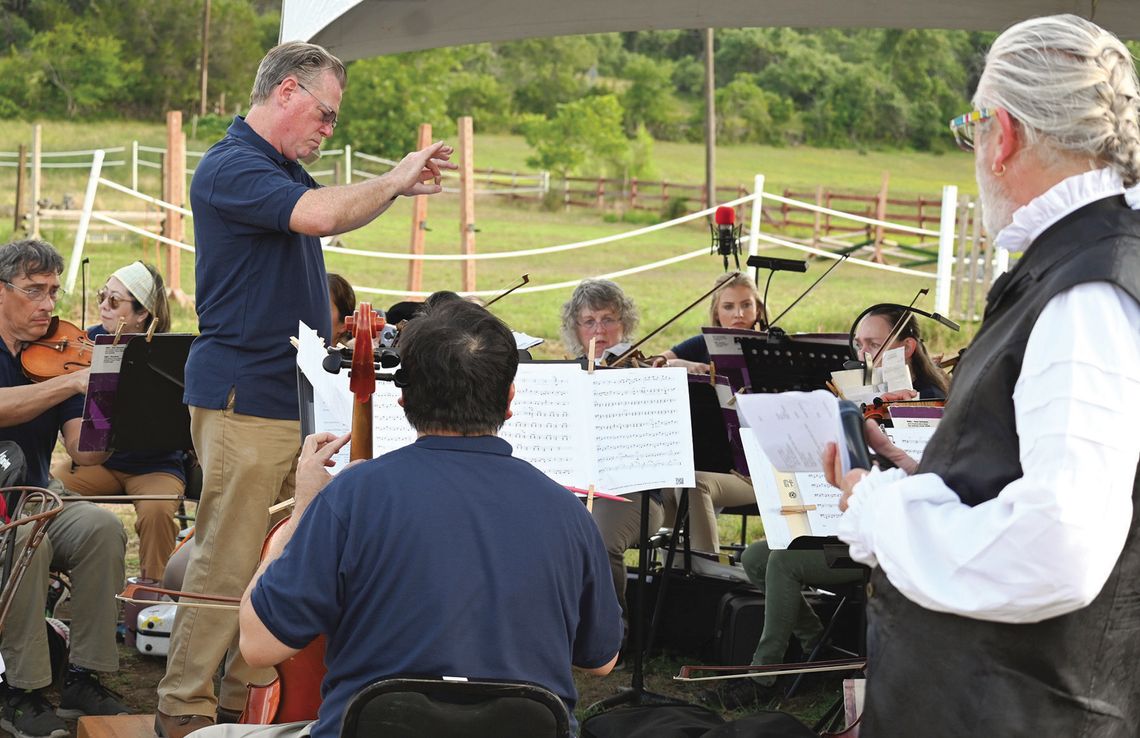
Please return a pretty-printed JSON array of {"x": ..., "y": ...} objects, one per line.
[
  {"x": 740, "y": 622},
  {"x": 652, "y": 721},
  {"x": 765, "y": 724}
]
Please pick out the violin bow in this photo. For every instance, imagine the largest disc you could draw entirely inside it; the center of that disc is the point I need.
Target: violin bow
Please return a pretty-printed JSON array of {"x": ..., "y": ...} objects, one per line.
[
  {"x": 525, "y": 279},
  {"x": 629, "y": 352},
  {"x": 215, "y": 602},
  {"x": 740, "y": 672},
  {"x": 896, "y": 329}
]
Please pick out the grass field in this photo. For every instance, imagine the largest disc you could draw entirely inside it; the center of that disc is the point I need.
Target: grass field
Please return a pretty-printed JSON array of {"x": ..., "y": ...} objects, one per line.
[{"x": 506, "y": 226}]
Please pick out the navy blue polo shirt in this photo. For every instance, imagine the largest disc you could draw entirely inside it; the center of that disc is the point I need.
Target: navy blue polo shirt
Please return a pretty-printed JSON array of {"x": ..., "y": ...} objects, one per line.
[
  {"x": 692, "y": 349},
  {"x": 37, "y": 437},
  {"x": 254, "y": 278},
  {"x": 448, "y": 557}
]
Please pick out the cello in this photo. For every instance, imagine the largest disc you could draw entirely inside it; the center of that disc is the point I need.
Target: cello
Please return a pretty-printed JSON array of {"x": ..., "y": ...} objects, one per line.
[{"x": 294, "y": 694}]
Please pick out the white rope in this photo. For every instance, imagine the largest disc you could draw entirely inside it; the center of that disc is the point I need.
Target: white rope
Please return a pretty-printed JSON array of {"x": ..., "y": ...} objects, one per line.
[
  {"x": 552, "y": 286},
  {"x": 851, "y": 216},
  {"x": 63, "y": 165},
  {"x": 544, "y": 250},
  {"x": 141, "y": 231},
  {"x": 827, "y": 254},
  {"x": 145, "y": 198}
]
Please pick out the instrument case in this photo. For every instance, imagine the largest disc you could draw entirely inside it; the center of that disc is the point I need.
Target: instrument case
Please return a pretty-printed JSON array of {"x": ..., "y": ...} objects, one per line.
[{"x": 153, "y": 629}]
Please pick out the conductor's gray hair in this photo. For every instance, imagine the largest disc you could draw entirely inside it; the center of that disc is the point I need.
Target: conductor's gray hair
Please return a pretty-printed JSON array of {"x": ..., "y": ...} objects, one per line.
[
  {"x": 596, "y": 294},
  {"x": 1072, "y": 85},
  {"x": 27, "y": 257},
  {"x": 304, "y": 61}
]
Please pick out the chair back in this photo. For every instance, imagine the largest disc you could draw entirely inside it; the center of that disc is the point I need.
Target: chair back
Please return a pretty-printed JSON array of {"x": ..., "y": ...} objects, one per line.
[{"x": 404, "y": 707}]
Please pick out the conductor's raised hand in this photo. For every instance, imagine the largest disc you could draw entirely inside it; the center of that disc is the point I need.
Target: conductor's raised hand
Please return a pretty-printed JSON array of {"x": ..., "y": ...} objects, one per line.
[
  {"x": 421, "y": 172},
  {"x": 312, "y": 467}
]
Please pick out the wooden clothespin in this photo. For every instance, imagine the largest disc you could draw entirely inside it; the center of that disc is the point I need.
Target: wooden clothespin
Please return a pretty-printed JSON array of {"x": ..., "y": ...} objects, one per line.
[
  {"x": 834, "y": 390},
  {"x": 119, "y": 331},
  {"x": 712, "y": 373},
  {"x": 795, "y": 509},
  {"x": 590, "y": 495},
  {"x": 294, "y": 342},
  {"x": 592, "y": 355},
  {"x": 150, "y": 331}
]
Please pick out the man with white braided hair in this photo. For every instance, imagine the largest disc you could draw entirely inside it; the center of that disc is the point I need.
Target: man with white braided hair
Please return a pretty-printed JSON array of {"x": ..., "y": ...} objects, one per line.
[{"x": 1006, "y": 595}]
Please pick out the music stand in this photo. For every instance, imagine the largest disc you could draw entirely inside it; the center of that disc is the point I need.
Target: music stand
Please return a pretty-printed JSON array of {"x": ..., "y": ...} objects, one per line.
[
  {"x": 149, "y": 414},
  {"x": 781, "y": 363}
]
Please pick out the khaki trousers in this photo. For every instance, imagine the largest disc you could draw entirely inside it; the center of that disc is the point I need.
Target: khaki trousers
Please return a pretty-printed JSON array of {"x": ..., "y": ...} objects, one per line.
[
  {"x": 248, "y": 464},
  {"x": 154, "y": 519},
  {"x": 89, "y": 543},
  {"x": 713, "y": 491}
]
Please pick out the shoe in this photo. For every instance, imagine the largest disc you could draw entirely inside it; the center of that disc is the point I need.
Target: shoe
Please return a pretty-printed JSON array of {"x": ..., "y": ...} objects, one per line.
[
  {"x": 179, "y": 726},
  {"x": 28, "y": 714},
  {"x": 84, "y": 695},
  {"x": 738, "y": 694},
  {"x": 228, "y": 716}
]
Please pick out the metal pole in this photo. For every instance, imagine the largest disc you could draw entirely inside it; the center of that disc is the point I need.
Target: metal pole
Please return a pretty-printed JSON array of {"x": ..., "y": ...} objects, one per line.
[{"x": 710, "y": 120}]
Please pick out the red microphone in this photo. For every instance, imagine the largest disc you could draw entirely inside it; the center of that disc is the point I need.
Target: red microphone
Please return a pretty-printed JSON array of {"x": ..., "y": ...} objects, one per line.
[{"x": 726, "y": 237}]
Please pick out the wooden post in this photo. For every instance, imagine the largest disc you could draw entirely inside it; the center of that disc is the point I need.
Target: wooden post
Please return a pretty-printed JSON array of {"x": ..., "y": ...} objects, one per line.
[
  {"x": 467, "y": 199},
  {"x": 633, "y": 194},
  {"x": 881, "y": 214},
  {"x": 600, "y": 194},
  {"x": 37, "y": 180},
  {"x": 174, "y": 192},
  {"x": 964, "y": 269},
  {"x": 975, "y": 238},
  {"x": 419, "y": 222},
  {"x": 818, "y": 216},
  {"x": 21, "y": 162}
]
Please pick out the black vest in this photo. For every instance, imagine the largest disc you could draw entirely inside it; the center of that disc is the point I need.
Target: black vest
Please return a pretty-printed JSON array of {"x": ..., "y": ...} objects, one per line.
[{"x": 934, "y": 674}]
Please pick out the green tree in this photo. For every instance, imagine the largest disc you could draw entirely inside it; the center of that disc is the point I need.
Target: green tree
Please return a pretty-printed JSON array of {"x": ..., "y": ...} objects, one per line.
[
  {"x": 76, "y": 73},
  {"x": 547, "y": 72},
  {"x": 583, "y": 132},
  {"x": 648, "y": 98}
]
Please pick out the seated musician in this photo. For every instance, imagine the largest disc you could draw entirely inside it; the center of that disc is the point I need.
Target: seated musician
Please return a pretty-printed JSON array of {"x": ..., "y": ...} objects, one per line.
[
  {"x": 85, "y": 540},
  {"x": 134, "y": 297},
  {"x": 342, "y": 303},
  {"x": 524, "y": 595},
  {"x": 598, "y": 308},
  {"x": 784, "y": 573},
  {"x": 736, "y": 303}
]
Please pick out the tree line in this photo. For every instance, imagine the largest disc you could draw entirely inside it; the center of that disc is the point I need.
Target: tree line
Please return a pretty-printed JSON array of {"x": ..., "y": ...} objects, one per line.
[{"x": 584, "y": 103}]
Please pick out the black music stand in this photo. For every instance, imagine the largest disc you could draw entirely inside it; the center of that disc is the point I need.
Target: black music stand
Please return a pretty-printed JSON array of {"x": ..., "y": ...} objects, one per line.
[
  {"x": 782, "y": 363},
  {"x": 149, "y": 414}
]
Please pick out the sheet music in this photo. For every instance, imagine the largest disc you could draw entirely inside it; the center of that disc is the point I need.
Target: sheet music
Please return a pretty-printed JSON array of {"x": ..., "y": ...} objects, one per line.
[
  {"x": 390, "y": 427},
  {"x": 824, "y": 518},
  {"x": 332, "y": 403},
  {"x": 548, "y": 419},
  {"x": 779, "y": 529},
  {"x": 793, "y": 427},
  {"x": 642, "y": 431}
]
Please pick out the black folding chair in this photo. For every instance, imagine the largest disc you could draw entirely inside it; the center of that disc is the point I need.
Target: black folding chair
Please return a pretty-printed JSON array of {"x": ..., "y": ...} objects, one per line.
[{"x": 412, "y": 707}]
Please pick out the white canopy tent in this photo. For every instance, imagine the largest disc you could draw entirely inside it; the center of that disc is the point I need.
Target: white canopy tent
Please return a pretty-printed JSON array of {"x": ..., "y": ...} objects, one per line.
[{"x": 356, "y": 29}]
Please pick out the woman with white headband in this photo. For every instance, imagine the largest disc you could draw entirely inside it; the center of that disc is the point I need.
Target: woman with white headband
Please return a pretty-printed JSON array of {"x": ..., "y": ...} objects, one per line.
[{"x": 134, "y": 299}]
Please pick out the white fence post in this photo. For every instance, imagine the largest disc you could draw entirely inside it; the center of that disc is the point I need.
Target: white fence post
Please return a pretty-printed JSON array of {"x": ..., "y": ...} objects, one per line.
[
  {"x": 84, "y": 219},
  {"x": 347, "y": 164},
  {"x": 946, "y": 249},
  {"x": 757, "y": 213}
]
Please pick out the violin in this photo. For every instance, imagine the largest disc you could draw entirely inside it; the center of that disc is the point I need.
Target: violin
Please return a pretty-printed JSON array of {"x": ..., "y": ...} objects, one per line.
[
  {"x": 295, "y": 693},
  {"x": 880, "y": 411},
  {"x": 64, "y": 349}
]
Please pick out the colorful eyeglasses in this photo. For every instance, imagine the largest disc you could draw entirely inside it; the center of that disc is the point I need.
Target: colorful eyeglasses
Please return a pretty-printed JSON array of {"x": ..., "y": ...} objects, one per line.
[{"x": 963, "y": 127}]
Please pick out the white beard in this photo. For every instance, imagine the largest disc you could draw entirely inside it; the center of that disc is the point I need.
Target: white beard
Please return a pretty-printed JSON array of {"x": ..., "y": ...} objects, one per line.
[{"x": 993, "y": 195}]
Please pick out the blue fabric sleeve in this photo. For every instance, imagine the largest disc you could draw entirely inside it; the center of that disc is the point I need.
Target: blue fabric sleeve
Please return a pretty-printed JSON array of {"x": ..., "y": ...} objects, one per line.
[
  {"x": 692, "y": 349},
  {"x": 599, "y": 624},
  {"x": 253, "y": 194},
  {"x": 70, "y": 409},
  {"x": 298, "y": 596}
]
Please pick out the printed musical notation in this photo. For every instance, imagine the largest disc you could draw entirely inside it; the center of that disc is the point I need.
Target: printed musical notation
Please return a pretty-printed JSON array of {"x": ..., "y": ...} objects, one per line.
[{"x": 545, "y": 424}]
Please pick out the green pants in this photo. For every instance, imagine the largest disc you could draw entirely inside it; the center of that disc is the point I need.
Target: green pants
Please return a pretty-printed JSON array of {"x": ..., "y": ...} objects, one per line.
[{"x": 782, "y": 574}]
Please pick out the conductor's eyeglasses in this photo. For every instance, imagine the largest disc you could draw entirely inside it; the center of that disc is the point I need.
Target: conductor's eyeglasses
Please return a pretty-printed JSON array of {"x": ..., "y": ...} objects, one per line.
[
  {"x": 964, "y": 125},
  {"x": 328, "y": 115}
]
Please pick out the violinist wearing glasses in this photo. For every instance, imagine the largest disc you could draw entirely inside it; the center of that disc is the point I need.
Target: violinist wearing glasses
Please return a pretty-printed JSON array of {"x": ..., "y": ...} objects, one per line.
[
  {"x": 133, "y": 300},
  {"x": 84, "y": 540}
]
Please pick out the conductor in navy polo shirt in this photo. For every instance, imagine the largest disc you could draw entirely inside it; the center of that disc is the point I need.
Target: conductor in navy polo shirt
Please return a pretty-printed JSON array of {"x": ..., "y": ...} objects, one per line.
[
  {"x": 520, "y": 589},
  {"x": 258, "y": 219}
]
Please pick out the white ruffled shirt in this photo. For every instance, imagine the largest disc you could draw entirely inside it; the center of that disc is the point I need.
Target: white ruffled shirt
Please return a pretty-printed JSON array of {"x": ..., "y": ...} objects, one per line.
[{"x": 1047, "y": 543}]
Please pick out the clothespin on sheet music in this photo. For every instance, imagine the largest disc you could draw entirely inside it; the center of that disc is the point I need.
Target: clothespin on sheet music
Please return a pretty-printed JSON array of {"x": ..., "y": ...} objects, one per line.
[
  {"x": 590, "y": 499},
  {"x": 150, "y": 331},
  {"x": 796, "y": 509},
  {"x": 119, "y": 331},
  {"x": 712, "y": 373},
  {"x": 592, "y": 355}
]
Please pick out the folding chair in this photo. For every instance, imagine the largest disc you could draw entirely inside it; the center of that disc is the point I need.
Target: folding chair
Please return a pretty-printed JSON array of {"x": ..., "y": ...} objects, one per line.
[
  {"x": 16, "y": 554},
  {"x": 409, "y": 707}
]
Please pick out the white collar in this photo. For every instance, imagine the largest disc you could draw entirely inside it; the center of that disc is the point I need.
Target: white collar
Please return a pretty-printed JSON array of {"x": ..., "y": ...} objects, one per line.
[{"x": 1031, "y": 220}]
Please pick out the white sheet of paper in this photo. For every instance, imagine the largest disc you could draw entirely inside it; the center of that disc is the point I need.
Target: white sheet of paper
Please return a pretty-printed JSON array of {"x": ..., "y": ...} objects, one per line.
[
  {"x": 642, "y": 430},
  {"x": 793, "y": 427},
  {"x": 776, "y": 529},
  {"x": 390, "y": 427},
  {"x": 332, "y": 403},
  {"x": 911, "y": 440},
  {"x": 824, "y": 519},
  {"x": 548, "y": 417}
]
